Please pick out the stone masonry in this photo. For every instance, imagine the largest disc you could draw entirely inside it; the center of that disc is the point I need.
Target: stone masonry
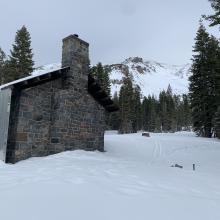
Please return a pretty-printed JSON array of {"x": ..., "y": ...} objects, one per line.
[{"x": 58, "y": 115}]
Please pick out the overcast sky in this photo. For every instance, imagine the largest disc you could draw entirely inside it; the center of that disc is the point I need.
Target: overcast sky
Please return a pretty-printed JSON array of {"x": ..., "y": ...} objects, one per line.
[{"x": 161, "y": 30}]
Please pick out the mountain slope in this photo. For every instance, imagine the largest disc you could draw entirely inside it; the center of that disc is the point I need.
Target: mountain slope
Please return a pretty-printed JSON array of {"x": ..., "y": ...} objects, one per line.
[{"x": 152, "y": 77}]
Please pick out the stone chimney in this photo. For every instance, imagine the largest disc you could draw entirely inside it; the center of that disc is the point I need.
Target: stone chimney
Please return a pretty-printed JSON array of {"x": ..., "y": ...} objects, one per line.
[{"x": 75, "y": 54}]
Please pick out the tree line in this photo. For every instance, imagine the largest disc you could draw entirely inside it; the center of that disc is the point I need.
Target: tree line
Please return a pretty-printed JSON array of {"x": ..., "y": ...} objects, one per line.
[
  {"x": 20, "y": 61},
  {"x": 167, "y": 113},
  {"x": 170, "y": 112}
]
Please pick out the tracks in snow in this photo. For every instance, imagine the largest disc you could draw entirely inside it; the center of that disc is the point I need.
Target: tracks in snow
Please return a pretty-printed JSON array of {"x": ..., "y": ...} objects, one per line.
[{"x": 157, "y": 152}]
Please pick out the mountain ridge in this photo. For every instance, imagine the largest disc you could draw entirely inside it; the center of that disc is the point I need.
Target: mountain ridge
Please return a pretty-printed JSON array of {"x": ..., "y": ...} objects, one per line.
[{"x": 151, "y": 76}]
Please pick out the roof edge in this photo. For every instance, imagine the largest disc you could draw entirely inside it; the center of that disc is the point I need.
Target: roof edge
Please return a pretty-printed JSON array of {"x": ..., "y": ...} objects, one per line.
[{"x": 30, "y": 78}]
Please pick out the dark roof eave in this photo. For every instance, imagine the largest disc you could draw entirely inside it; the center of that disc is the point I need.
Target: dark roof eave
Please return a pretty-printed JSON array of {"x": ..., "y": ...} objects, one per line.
[
  {"x": 100, "y": 95},
  {"x": 38, "y": 80}
]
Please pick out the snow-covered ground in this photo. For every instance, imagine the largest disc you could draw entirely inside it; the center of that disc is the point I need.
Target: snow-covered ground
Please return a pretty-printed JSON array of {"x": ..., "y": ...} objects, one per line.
[{"x": 133, "y": 180}]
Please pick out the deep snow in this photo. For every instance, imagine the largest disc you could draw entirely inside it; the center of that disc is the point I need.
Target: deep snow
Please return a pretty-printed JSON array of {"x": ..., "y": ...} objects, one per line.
[{"x": 133, "y": 180}]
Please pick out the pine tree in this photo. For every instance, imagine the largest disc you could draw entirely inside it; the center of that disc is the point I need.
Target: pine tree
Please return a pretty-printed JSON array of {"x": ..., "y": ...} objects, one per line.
[
  {"x": 155, "y": 122},
  {"x": 179, "y": 113},
  {"x": 167, "y": 111},
  {"x": 203, "y": 85},
  {"x": 163, "y": 111},
  {"x": 126, "y": 106},
  {"x": 137, "y": 108},
  {"x": 171, "y": 108},
  {"x": 215, "y": 18},
  {"x": 2, "y": 66},
  {"x": 197, "y": 86},
  {"x": 186, "y": 112},
  {"x": 106, "y": 81},
  {"x": 114, "y": 117},
  {"x": 170, "y": 113},
  {"x": 150, "y": 117},
  {"x": 21, "y": 62},
  {"x": 217, "y": 123},
  {"x": 145, "y": 114},
  {"x": 101, "y": 74},
  {"x": 213, "y": 78}
]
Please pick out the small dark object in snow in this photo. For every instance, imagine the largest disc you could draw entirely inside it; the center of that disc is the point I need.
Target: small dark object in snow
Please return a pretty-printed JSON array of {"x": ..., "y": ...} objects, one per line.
[
  {"x": 177, "y": 165},
  {"x": 194, "y": 167},
  {"x": 145, "y": 134}
]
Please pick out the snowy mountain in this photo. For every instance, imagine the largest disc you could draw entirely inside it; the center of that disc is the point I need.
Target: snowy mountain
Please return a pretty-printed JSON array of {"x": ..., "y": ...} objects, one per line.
[{"x": 151, "y": 76}]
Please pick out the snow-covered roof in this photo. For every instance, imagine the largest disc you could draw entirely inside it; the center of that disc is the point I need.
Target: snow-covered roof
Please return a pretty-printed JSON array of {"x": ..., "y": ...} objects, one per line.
[
  {"x": 54, "y": 71},
  {"x": 36, "y": 74}
]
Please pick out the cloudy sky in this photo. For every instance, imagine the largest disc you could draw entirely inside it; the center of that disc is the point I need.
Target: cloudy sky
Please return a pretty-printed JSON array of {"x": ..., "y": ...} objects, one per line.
[{"x": 161, "y": 30}]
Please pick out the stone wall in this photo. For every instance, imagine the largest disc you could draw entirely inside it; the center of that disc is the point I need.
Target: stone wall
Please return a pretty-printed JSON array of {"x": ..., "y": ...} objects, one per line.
[
  {"x": 59, "y": 115},
  {"x": 30, "y": 121},
  {"x": 48, "y": 119}
]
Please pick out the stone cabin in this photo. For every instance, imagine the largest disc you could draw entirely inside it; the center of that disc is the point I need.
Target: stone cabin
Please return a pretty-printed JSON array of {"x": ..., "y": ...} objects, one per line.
[{"x": 60, "y": 110}]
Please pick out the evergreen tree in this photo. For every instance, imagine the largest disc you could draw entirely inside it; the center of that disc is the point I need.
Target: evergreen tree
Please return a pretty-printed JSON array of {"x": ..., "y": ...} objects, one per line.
[
  {"x": 163, "y": 111},
  {"x": 197, "y": 86},
  {"x": 213, "y": 79},
  {"x": 185, "y": 113},
  {"x": 114, "y": 117},
  {"x": 137, "y": 109},
  {"x": 126, "y": 106},
  {"x": 106, "y": 81},
  {"x": 145, "y": 114},
  {"x": 170, "y": 113},
  {"x": 217, "y": 123},
  {"x": 150, "y": 118},
  {"x": 182, "y": 113},
  {"x": 203, "y": 85},
  {"x": 21, "y": 62},
  {"x": 167, "y": 110},
  {"x": 215, "y": 18},
  {"x": 101, "y": 74},
  {"x": 155, "y": 121},
  {"x": 2, "y": 66},
  {"x": 171, "y": 109}
]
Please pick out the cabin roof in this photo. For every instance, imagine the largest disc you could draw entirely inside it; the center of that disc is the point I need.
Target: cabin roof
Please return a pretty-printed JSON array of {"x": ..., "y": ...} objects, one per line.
[
  {"x": 42, "y": 77},
  {"x": 36, "y": 78}
]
